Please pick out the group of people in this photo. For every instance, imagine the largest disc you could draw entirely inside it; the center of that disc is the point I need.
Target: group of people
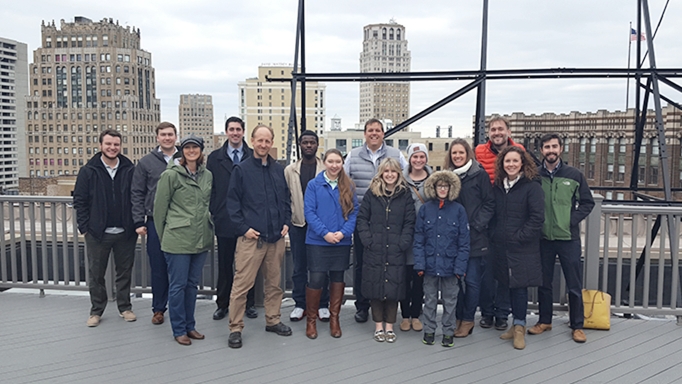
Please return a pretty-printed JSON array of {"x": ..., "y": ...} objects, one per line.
[{"x": 474, "y": 235}]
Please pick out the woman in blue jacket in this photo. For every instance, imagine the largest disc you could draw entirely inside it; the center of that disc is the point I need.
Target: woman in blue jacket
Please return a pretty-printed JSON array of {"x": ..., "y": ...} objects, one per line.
[{"x": 331, "y": 208}]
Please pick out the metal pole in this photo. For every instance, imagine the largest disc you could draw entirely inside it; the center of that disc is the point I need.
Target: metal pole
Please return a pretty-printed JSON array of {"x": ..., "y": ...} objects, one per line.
[
  {"x": 663, "y": 152},
  {"x": 292, "y": 131},
  {"x": 304, "y": 126},
  {"x": 627, "y": 86},
  {"x": 479, "y": 134}
]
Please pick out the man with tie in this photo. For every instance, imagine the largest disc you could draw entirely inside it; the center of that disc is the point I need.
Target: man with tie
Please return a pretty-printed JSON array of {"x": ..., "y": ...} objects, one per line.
[{"x": 220, "y": 163}]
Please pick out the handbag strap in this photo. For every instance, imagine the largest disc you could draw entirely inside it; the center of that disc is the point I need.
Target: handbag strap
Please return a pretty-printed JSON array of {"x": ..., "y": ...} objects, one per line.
[
  {"x": 416, "y": 191},
  {"x": 594, "y": 297}
]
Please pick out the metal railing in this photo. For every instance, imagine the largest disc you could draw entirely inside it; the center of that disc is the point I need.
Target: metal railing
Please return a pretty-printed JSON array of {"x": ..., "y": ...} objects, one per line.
[{"x": 41, "y": 248}]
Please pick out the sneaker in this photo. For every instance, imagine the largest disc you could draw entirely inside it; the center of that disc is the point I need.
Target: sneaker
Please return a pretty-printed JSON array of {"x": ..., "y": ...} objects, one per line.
[
  {"x": 380, "y": 336},
  {"x": 429, "y": 338},
  {"x": 448, "y": 341},
  {"x": 390, "y": 337},
  {"x": 486, "y": 322},
  {"x": 235, "y": 340},
  {"x": 323, "y": 314},
  {"x": 279, "y": 328},
  {"x": 93, "y": 320},
  {"x": 128, "y": 315},
  {"x": 297, "y": 314},
  {"x": 405, "y": 325}
]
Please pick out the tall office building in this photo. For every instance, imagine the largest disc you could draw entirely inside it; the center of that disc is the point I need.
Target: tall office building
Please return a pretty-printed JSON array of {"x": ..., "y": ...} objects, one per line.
[
  {"x": 87, "y": 77},
  {"x": 13, "y": 91},
  {"x": 384, "y": 49},
  {"x": 195, "y": 115},
  {"x": 264, "y": 102}
]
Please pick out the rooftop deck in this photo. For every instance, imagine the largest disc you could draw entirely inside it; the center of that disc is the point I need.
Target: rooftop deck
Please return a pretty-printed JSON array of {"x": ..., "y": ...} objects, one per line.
[{"x": 46, "y": 340}]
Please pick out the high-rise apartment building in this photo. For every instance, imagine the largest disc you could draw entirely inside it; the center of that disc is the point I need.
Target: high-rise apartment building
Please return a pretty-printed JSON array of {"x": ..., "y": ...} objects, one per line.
[
  {"x": 384, "y": 49},
  {"x": 13, "y": 91},
  {"x": 87, "y": 77},
  {"x": 602, "y": 145},
  {"x": 264, "y": 102},
  {"x": 195, "y": 115}
]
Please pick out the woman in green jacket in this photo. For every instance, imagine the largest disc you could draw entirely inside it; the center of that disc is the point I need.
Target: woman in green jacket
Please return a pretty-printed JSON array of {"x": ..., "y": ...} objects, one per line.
[{"x": 185, "y": 230}]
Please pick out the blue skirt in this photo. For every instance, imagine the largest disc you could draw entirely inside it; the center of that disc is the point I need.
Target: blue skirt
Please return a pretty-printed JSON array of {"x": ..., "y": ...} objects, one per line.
[{"x": 328, "y": 258}]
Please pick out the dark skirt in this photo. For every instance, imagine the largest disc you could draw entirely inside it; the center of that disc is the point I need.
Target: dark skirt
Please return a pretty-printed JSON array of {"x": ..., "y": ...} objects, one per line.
[{"x": 331, "y": 258}]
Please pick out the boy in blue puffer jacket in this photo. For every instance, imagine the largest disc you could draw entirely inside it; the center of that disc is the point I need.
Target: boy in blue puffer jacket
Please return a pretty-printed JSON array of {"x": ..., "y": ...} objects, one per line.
[{"x": 441, "y": 252}]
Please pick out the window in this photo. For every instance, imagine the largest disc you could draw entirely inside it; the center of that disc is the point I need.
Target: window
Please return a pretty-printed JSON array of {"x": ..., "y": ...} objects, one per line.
[
  {"x": 654, "y": 146},
  {"x": 593, "y": 145},
  {"x": 612, "y": 145},
  {"x": 653, "y": 175},
  {"x": 341, "y": 145},
  {"x": 583, "y": 142},
  {"x": 356, "y": 143},
  {"x": 403, "y": 144},
  {"x": 622, "y": 146},
  {"x": 642, "y": 148},
  {"x": 609, "y": 172},
  {"x": 621, "y": 173},
  {"x": 641, "y": 173}
]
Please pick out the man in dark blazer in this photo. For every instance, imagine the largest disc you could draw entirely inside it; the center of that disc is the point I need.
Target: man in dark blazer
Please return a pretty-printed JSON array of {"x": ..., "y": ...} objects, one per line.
[{"x": 220, "y": 163}]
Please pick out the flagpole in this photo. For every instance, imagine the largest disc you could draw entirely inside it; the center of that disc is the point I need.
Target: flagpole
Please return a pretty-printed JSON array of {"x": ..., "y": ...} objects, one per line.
[{"x": 627, "y": 91}]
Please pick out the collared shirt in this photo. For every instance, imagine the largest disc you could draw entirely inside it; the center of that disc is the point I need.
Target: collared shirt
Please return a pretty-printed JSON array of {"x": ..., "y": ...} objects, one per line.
[
  {"x": 554, "y": 171},
  {"x": 167, "y": 157},
  {"x": 332, "y": 183},
  {"x": 240, "y": 151},
  {"x": 112, "y": 173}
]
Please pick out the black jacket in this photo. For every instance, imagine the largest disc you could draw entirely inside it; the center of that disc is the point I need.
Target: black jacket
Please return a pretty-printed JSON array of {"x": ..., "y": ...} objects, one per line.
[
  {"x": 90, "y": 196},
  {"x": 477, "y": 198},
  {"x": 386, "y": 228},
  {"x": 250, "y": 206},
  {"x": 220, "y": 165},
  {"x": 516, "y": 233}
]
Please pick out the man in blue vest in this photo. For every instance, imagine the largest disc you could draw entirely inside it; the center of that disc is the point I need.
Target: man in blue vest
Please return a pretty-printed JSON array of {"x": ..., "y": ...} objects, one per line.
[{"x": 361, "y": 166}]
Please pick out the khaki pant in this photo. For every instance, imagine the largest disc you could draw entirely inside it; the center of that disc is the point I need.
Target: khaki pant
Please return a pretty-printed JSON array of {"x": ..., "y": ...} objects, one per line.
[{"x": 248, "y": 259}]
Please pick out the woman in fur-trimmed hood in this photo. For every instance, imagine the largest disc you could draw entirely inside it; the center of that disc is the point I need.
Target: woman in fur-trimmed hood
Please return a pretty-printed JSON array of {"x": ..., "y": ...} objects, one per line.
[{"x": 441, "y": 251}]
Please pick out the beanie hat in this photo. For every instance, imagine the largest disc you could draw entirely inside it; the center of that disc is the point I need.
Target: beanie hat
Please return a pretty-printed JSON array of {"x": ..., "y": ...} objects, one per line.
[{"x": 417, "y": 147}]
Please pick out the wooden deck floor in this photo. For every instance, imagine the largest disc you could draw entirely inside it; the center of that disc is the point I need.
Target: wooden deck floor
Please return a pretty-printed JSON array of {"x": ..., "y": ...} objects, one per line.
[{"x": 46, "y": 340}]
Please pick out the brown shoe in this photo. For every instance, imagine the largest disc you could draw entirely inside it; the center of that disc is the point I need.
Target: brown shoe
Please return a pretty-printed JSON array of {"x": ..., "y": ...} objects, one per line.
[
  {"x": 405, "y": 325},
  {"x": 465, "y": 329},
  {"x": 157, "y": 318},
  {"x": 194, "y": 334},
  {"x": 508, "y": 335},
  {"x": 183, "y": 340},
  {"x": 539, "y": 328},
  {"x": 336, "y": 292},
  {"x": 519, "y": 337},
  {"x": 417, "y": 325},
  {"x": 579, "y": 336},
  {"x": 312, "y": 302}
]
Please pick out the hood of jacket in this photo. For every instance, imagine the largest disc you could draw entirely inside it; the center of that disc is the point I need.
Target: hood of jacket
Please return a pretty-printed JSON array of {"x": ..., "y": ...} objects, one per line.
[{"x": 448, "y": 177}]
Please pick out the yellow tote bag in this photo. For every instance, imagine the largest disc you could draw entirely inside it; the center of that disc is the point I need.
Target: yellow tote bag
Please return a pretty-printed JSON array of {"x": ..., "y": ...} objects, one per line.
[{"x": 597, "y": 306}]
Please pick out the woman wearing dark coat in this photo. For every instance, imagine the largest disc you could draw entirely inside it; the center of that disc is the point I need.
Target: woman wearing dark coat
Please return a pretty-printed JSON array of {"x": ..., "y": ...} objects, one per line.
[
  {"x": 386, "y": 227},
  {"x": 516, "y": 233},
  {"x": 476, "y": 196}
]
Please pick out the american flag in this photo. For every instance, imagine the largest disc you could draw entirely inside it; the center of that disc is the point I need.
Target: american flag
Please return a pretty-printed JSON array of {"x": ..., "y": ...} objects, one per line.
[{"x": 633, "y": 35}]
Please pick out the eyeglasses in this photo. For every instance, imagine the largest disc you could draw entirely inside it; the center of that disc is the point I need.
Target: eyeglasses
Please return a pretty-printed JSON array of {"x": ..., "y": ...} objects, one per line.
[{"x": 443, "y": 187}]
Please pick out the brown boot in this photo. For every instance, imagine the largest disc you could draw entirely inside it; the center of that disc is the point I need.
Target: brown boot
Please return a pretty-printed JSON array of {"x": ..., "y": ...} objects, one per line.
[
  {"x": 458, "y": 323},
  {"x": 519, "y": 337},
  {"x": 312, "y": 304},
  {"x": 465, "y": 329},
  {"x": 336, "y": 292},
  {"x": 508, "y": 335}
]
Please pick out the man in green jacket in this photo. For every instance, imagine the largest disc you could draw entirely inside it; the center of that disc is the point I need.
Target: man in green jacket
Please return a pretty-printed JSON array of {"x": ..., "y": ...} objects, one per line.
[{"x": 568, "y": 201}]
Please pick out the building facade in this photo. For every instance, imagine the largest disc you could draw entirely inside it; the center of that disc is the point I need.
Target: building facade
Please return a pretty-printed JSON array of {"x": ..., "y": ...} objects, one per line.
[
  {"x": 384, "y": 49},
  {"x": 195, "y": 115},
  {"x": 87, "y": 77},
  {"x": 601, "y": 145},
  {"x": 264, "y": 102},
  {"x": 13, "y": 91}
]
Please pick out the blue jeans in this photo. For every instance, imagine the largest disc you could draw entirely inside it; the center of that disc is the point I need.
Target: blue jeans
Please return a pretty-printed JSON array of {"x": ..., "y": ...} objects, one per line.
[
  {"x": 519, "y": 304},
  {"x": 569, "y": 257},
  {"x": 184, "y": 272},
  {"x": 300, "y": 274},
  {"x": 157, "y": 263},
  {"x": 494, "y": 297},
  {"x": 467, "y": 300}
]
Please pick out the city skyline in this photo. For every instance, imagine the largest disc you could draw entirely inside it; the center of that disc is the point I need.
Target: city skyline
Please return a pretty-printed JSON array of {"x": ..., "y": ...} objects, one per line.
[{"x": 208, "y": 48}]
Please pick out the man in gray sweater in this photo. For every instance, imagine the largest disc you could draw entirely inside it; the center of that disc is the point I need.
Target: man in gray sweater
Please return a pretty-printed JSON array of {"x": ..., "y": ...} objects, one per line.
[{"x": 143, "y": 190}]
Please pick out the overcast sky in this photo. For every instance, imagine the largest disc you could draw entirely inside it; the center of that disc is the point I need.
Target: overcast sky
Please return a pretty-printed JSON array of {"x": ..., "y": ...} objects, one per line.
[{"x": 208, "y": 46}]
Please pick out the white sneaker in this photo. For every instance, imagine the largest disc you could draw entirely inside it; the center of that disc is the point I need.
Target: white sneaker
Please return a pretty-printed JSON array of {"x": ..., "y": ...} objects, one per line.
[
  {"x": 323, "y": 314},
  {"x": 296, "y": 314}
]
